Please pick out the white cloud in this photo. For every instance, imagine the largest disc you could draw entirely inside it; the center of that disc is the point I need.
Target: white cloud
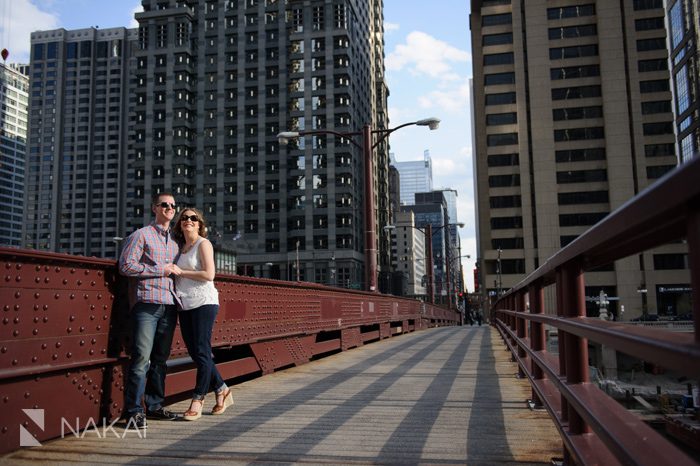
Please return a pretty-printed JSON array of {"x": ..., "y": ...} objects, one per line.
[
  {"x": 453, "y": 99},
  {"x": 138, "y": 8},
  {"x": 425, "y": 55},
  {"x": 20, "y": 19}
]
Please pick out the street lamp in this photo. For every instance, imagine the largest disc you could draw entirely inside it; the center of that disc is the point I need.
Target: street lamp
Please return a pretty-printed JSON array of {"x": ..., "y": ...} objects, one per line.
[{"x": 367, "y": 146}]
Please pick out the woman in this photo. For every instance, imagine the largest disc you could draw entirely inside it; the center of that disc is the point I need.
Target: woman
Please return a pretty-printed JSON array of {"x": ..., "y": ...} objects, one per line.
[{"x": 200, "y": 304}]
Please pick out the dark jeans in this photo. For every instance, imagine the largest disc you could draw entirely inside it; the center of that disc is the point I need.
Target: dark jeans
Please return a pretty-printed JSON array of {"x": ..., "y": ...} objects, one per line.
[
  {"x": 196, "y": 327},
  {"x": 154, "y": 325}
]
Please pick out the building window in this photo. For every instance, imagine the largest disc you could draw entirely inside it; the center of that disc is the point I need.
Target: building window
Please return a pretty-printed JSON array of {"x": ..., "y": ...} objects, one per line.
[
  {"x": 574, "y": 72},
  {"x": 645, "y": 45},
  {"x": 656, "y": 85},
  {"x": 496, "y": 79},
  {"x": 647, "y": 4},
  {"x": 506, "y": 58},
  {"x": 578, "y": 92},
  {"x": 504, "y": 139},
  {"x": 507, "y": 243},
  {"x": 579, "y": 155},
  {"x": 670, "y": 261},
  {"x": 650, "y": 24},
  {"x": 579, "y": 134},
  {"x": 647, "y": 66},
  {"x": 495, "y": 20},
  {"x": 496, "y": 119},
  {"x": 577, "y": 113},
  {"x": 583, "y": 197},
  {"x": 581, "y": 176},
  {"x": 659, "y": 150},
  {"x": 502, "y": 181},
  {"x": 581, "y": 219},
  {"x": 657, "y": 171},
  {"x": 571, "y": 11},
  {"x": 502, "y": 160},
  {"x": 655, "y": 129},
  {"x": 505, "y": 202},
  {"x": 501, "y": 98},
  {"x": 498, "y": 39},
  {"x": 506, "y": 223},
  {"x": 572, "y": 31}
]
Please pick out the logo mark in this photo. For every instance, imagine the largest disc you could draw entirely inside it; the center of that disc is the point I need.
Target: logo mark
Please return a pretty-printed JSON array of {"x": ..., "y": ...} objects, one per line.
[{"x": 26, "y": 439}]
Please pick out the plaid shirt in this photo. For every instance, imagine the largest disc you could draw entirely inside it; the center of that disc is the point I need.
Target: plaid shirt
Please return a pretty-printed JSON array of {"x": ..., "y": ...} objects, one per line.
[{"x": 143, "y": 259}]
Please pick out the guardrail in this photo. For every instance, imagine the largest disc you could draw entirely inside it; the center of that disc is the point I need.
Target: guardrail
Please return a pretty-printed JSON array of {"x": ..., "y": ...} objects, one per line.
[
  {"x": 596, "y": 429},
  {"x": 65, "y": 337}
]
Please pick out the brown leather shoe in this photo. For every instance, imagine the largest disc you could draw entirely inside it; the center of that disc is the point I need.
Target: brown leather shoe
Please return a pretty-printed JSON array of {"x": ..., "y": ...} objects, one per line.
[{"x": 225, "y": 403}]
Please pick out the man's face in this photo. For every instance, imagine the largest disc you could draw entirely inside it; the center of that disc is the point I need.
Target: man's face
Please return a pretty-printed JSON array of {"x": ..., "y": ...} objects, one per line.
[{"x": 164, "y": 209}]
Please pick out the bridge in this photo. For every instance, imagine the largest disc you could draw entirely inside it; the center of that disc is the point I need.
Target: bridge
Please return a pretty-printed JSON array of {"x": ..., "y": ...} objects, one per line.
[{"x": 352, "y": 377}]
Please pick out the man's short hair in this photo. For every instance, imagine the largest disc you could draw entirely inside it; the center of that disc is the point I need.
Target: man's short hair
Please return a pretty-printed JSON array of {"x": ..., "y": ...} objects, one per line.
[{"x": 155, "y": 197}]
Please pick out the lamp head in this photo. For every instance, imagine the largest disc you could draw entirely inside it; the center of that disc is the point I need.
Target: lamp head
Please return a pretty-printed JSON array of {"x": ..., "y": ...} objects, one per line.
[
  {"x": 389, "y": 227},
  {"x": 432, "y": 123},
  {"x": 284, "y": 137}
]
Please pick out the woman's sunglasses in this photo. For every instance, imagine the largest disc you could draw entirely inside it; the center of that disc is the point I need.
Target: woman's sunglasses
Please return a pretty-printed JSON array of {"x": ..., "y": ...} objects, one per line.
[{"x": 192, "y": 218}]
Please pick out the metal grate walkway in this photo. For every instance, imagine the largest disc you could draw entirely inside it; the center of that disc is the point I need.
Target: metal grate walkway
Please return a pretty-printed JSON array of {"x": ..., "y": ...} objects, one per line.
[{"x": 441, "y": 396}]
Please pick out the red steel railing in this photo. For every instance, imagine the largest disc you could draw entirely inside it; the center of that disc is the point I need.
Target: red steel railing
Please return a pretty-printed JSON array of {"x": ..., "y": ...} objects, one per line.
[
  {"x": 64, "y": 336},
  {"x": 596, "y": 429}
]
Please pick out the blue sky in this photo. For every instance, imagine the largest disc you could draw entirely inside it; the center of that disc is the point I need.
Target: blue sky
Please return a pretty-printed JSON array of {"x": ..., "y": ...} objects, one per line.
[{"x": 428, "y": 65}]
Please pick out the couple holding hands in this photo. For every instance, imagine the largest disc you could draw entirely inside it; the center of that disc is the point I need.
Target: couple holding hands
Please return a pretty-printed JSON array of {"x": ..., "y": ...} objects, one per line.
[{"x": 171, "y": 275}]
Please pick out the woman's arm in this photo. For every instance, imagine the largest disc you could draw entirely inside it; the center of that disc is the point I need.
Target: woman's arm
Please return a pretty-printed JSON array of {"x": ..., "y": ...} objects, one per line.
[{"x": 206, "y": 258}]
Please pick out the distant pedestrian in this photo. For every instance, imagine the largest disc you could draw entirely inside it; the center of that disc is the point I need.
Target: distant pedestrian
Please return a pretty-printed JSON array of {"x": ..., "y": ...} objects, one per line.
[{"x": 479, "y": 317}]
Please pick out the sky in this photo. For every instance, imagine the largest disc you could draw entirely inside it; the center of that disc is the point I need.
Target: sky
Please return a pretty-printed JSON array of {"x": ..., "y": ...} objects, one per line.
[{"x": 428, "y": 66}]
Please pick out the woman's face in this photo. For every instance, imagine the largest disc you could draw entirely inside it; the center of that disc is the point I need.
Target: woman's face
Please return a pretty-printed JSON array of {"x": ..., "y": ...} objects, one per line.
[{"x": 189, "y": 221}]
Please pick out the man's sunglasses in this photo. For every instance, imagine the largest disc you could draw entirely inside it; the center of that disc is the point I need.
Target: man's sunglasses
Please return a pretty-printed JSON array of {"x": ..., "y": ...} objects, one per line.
[
  {"x": 166, "y": 205},
  {"x": 192, "y": 218}
]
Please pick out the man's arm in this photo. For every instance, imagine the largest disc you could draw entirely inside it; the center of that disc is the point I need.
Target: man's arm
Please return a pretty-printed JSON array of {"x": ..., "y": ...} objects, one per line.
[{"x": 131, "y": 262}]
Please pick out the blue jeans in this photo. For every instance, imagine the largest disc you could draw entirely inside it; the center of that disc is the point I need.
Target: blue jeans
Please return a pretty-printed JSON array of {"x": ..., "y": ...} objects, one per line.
[
  {"x": 196, "y": 327},
  {"x": 154, "y": 325}
]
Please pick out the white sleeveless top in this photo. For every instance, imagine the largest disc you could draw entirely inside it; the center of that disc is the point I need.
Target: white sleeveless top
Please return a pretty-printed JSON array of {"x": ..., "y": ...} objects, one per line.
[{"x": 194, "y": 293}]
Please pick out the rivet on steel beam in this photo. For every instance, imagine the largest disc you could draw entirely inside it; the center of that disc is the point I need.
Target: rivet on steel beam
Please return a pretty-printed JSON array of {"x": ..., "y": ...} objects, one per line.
[
  {"x": 93, "y": 341},
  {"x": 99, "y": 327},
  {"x": 92, "y": 317},
  {"x": 36, "y": 320},
  {"x": 99, "y": 273},
  {"x": 45, "y": 319},
  {"x": 26, "y": 394},
  {"x": 71, "y": 318},
  {"x": 57, "y": 269},
  {"x": 15, "y": 362},
  {"x": 72, "y": 296},
  {"x": 16, "y": 320},
  {"x": 35, "y": 331},
  {"x": 45, "y": 307},
  {"x": 92, "y": 283},
  {"x": 18, "y": 294},
  {"x": 69, "y": 330},
  {"x": 82, "y": 342},
  {"x": 6, "y": 308},
  {"x": 4, "y": 430},
  {"x": 15, "y": 333},
  {"x": 80, "y": 282},
  {"x": 92, "y": 307},
  {"x": 103, "y": 351},
  {"x": 34, "y": 359},
  {"x": 37, "y": 268},
  {"x": 3, "y": 349},
  {"x": 58, "y": 344},
  {"x": 82, "y": 328},
  {"x": 36, "y": 307},
  {"x": 72, "y": 270},
  {"x": 75, "y": 381},
  {"x": 57, "y": 295},
  {"x": 69, "y": 355},
  {"x": 16, "y": 307},
  {"x": 91, "y": 352},
  {"x": 65, "y": 282},
  {"x": 80, "y": 387},
  {"x": 5, "y": 321},
  {"x": 47, "y": 280},
  {"x": 44, "y": 346},
  {"x": 37, "y": 279}
]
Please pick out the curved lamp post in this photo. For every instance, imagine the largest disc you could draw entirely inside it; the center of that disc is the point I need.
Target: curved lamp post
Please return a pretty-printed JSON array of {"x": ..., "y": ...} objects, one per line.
[{"x": 367, "y": 146}]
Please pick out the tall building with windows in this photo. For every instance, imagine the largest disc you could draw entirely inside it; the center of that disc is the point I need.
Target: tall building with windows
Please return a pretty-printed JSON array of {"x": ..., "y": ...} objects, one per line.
[
  {"x": 78, "y": 166},
  {"x": 683, "y": 19},
  {"x": 218, "y": 80},
  {"x": 191, "y": 102},
  {"x": 416, "y": 177},
  {"x": 14, "y": 84},
  {"x": 573, "y": 117}
]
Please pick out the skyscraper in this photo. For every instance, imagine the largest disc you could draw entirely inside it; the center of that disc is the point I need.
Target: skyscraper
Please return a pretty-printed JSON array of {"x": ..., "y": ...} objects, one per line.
[
  {"x": 568, "y": 129},
  {"x": 416, "y": 177},
  {"x": 218, "y": 80},
  {"x": 191, "y": 102},
  {"x": 80, "y": 132},
  {"x": 14, "y": 88},
  {"x": 684, "y": 22}
]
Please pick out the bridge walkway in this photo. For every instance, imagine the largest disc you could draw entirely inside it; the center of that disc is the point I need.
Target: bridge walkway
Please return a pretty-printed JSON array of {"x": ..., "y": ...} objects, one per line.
[{"x": 446, "y": 395}]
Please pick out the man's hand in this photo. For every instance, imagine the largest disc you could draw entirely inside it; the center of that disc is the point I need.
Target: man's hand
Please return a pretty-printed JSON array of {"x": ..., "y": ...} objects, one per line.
[{"x": 171, "y": 269}]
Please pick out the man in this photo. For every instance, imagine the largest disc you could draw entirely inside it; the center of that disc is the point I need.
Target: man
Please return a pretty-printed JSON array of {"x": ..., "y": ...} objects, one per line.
[{"x": 148, "y": 260}]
